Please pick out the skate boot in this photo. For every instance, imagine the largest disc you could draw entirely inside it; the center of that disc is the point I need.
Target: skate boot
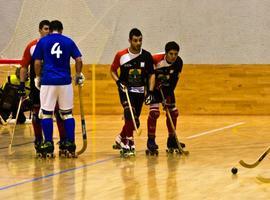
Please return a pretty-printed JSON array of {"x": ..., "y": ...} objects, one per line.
[
  {"x": 70, "y": 149},
  {"x": 131, "y": 145},
  {"x": 118, "y": 140},
  {"x": 62, "y": 148},
  {"x": 152, "y": 147},
  {"x": 47, "y": 149},
  {"x": 38, "y": 148},
  {"x": 173, "y": 146}
]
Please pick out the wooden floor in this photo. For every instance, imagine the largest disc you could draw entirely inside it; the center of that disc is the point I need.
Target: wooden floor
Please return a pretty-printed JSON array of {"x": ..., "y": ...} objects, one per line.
[{"x": 216, "y": 144}]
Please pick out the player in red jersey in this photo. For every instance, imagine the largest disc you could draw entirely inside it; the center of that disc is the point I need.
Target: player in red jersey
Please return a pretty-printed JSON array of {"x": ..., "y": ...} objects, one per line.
[
  {"x": 168, "y": 67},
  {"x": 136, "y": 72},
  {"x": 34, "y": 93}
]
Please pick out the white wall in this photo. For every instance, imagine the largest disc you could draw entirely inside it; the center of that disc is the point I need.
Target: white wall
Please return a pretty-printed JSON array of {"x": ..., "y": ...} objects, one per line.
[{"x": 209, "y": 31}]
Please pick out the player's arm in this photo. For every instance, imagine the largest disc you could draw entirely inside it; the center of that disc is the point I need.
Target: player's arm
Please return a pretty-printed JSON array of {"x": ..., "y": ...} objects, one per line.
[
  {"x": 38, "y": 64},
  {"x": 26, "y": 59},
  {"x": 114, "y": 67}
]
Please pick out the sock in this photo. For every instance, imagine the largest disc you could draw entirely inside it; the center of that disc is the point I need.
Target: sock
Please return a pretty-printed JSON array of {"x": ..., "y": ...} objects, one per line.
[
  {"x": 69, "y": 125},
  {"x": 47, "y": 127}
]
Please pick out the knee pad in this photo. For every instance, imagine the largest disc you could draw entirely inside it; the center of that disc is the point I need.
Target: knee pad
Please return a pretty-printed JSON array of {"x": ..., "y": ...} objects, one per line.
[
  {"x": 44, "y": 114},
  {"x": 174, "y": 113},
  {"x": 154, "y": 113},
  {"x": 65, "y": 114}
]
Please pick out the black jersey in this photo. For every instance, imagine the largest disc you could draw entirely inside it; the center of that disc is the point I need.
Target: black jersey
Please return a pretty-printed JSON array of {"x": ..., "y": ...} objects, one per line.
[{"x": 134, "y": 68}]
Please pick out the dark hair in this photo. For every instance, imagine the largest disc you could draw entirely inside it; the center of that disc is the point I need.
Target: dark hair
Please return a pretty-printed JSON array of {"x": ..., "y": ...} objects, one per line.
[
  {"x": 134, "y": 32},
  {"x": 44, "y": 23},
  {"x": 56, "y": 25},
  {"x": 171, "y": 46}
]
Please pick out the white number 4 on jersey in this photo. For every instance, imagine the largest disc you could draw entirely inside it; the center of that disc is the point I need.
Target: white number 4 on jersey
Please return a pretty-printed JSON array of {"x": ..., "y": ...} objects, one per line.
[{"x": 56, "y": 50}]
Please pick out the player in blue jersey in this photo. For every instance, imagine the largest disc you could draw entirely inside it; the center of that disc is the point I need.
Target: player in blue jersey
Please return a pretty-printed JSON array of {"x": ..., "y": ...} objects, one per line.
[{"x": 54, "y": 79}]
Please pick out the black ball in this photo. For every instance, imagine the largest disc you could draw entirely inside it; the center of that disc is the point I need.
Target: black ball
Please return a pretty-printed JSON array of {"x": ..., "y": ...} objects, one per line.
[{"x": 234, "y": 170}]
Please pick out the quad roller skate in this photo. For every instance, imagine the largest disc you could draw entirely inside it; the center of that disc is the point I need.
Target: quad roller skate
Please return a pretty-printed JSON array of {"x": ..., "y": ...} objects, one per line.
[
  {"x": 152, "y": 147},
  {"x": 172, "y": 145},
  {"x": 47, "y": 149},
  {"x": 118, "y": 141},
  {"x": 131, "y": 145},
  {"x": 67, "y": 149},
  {"x": 62, "y": 148},
  {"x": 38, "y": 148}
]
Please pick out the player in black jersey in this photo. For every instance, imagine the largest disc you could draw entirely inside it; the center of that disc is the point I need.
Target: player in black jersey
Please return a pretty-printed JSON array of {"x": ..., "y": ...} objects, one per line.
[
  {"x": 135, "y": 73},
  {"x": 168, "y": 67}
]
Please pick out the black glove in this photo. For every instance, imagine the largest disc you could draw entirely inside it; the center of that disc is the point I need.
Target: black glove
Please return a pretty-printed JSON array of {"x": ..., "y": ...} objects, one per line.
[
  {"x": 121, "y": 85},
  {"x": 21, "y": 89},
  {"x": 149, "y": 98}
]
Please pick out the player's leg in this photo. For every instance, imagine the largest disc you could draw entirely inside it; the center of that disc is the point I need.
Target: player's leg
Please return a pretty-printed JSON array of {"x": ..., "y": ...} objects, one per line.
[
  {"x": 136, "y": 100},
  {"x": 36, "y": 121},
  {"x": 120, "y": 139},
  {"x": 65, "y": 101},
  {"x": 48, "y": 97},
  {"x": 154, "y": 114},
  {"x": 60, "y": 123}
]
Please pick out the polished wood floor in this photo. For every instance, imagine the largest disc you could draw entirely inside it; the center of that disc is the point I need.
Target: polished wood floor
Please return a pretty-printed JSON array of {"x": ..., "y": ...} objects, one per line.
[{"x": 216, "y": 144}]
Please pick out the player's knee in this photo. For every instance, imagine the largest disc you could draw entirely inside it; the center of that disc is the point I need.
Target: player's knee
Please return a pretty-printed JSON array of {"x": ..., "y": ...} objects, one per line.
[
  {"x": 35, "y": 118},
  {"x": 127, "y": 113},
  {"x": 44, "y": 114},
  {"x": 174, "y": 113},
  {"x": 65, "y": 114},
  {"x": 154, "y": 114},
  {"x": 57, "y": 115}
]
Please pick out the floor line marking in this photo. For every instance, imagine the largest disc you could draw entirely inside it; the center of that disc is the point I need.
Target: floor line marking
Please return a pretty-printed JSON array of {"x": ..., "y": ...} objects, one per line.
[{"x": 215, "y": 130}]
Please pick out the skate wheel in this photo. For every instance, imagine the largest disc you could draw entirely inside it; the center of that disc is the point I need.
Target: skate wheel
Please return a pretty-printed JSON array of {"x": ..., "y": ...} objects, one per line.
[
  {"x": 115, "y": 146},
  {"x": 147, "y": 152}
]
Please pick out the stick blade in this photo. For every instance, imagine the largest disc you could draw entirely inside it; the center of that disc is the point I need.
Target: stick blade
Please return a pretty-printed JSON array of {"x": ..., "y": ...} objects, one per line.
[
  {"x": 10, "y": 152},
  {"x": 262, "y": 179},
  {"x": 246, "y": 165}
]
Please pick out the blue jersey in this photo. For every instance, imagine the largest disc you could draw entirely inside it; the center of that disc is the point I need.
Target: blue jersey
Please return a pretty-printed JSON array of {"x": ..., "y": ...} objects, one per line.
[{"x": 55, "y": 51}]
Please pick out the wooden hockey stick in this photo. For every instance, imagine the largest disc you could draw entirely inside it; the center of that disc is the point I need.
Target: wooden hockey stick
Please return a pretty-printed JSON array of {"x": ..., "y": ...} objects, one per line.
[
  {"x": 257, "y": 162},
  {"x": 172, "y": 125},
  {"x": 14, "y": 128},
  {"x": 84, "y": 136},
  {"x": 138, "y": 131},
  {"x": 262, "y": 179}
]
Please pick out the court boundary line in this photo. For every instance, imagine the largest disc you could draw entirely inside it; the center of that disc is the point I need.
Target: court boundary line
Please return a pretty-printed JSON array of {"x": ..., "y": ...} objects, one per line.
[{"x": 215, "y": 130}]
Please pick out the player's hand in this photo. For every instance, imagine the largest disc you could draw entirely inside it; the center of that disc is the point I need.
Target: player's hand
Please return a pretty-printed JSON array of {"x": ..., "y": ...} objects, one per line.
[
  {"x": 37, "y": 82},
  {"x": 79, "y": 79},
  {"x": 149, "y": 99},
  {"x": 121, "y": 85},
  {"x": 21, "y": 89}
]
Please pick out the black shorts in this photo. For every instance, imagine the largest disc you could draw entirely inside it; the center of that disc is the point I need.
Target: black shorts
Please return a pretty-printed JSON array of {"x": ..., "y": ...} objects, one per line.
[
  {"x": 168, "y": 95},
  {"x": 136, "y": 100}
]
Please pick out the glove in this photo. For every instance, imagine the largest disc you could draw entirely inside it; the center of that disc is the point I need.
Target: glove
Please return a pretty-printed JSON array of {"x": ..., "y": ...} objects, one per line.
[
  {"x": 149, "y": 98},
  {"x": 79, "y": 79},
  {"x": 121, "y": 85},
  {"x": 21, "y": 89},
  {"x": 37, "y": 82}
]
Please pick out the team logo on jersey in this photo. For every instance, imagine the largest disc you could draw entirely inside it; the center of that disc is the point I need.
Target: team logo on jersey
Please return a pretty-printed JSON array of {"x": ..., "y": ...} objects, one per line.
[
  {"x": 127, "y": 65},
  {"x": 142, "y": 64}
]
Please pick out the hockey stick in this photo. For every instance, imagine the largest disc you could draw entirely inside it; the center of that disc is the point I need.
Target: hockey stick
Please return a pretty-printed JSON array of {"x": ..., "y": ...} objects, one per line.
[
  {"x": 138, "y": 131},
  {"x": 84, "y": 136},
  {"x": 14, "y": 128},
  {"x": 257, "y": 162},
  {"x": 262, "y": 179},
  {"x": 172, "y": 125}
]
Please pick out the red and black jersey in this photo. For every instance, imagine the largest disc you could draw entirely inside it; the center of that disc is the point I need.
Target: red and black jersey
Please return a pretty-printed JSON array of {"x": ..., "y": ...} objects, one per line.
[
  {"x": 134, "y": 68},
  {"x": 27, "y": 60},
  {"x": 167, "y": 74}
]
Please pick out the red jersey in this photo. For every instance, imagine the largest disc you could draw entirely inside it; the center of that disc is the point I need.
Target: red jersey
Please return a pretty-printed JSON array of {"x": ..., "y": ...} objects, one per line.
[
  {"x": 167, "y": 74},
  {"x": 27, "y": 59}
]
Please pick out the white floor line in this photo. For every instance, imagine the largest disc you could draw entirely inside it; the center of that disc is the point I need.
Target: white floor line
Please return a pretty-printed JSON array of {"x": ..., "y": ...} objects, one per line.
[{"x": 215, "y": 130}]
